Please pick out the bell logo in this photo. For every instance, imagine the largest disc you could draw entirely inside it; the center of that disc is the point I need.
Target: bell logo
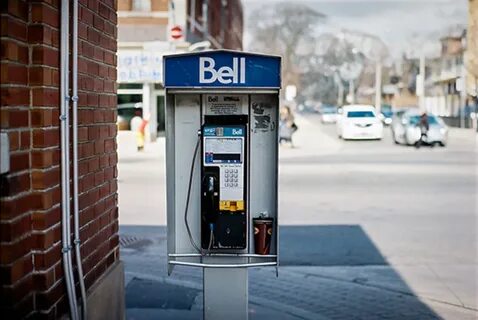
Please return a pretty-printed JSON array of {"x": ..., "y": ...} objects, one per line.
[{"x": 225, "y": 75}]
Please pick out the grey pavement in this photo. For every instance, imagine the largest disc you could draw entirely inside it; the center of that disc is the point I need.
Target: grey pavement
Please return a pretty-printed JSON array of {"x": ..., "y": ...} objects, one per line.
[{"x": 369, "y": 230}]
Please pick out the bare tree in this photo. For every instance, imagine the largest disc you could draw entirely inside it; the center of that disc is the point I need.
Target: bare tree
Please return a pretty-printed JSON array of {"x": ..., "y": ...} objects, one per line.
[{"x": 280, "y": 29}]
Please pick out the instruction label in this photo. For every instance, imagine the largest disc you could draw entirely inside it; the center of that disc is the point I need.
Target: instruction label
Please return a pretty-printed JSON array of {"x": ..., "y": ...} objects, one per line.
[{"x": 225, "y": 104}]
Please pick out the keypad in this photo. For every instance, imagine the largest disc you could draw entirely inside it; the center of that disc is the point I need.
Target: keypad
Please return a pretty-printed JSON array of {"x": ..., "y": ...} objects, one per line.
[{"x": 231, "y": 178}]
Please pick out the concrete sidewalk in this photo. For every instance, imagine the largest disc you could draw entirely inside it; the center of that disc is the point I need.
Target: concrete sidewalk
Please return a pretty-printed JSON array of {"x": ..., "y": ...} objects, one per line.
[{"x": 300, "y": 292}]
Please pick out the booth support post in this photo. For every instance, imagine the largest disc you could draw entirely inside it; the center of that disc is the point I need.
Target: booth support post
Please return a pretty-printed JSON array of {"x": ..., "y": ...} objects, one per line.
[{"x": 225, "y": 293}]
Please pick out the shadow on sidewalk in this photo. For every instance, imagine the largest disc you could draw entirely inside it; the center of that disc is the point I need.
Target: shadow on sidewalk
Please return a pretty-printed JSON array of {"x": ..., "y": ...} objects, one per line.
[{"x": 325, "y": 295}]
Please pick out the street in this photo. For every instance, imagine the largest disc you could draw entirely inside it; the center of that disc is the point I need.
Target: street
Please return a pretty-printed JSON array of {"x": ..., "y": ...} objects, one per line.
[{"x": 369, "y": 230}]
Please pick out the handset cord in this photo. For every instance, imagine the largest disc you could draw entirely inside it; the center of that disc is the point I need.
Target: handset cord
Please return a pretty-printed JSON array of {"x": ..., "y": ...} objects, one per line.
[
  {"x": 189, "y": 195},
  {"x": 211, "y": 236}
]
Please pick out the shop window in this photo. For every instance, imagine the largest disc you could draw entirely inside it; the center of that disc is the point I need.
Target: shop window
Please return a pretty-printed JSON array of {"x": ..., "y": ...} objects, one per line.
[
  {"x": 130, "y": 86},
  {"x": 142, "y": 5}
]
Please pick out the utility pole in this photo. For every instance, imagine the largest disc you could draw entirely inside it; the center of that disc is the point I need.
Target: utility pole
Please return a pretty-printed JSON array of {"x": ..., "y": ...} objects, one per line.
[
  {"x": 378, "y": 87},
  {"x": 462, "y": 96},
  {"x": 421, "y": 83},
  {"x": 340, "y": 87}
]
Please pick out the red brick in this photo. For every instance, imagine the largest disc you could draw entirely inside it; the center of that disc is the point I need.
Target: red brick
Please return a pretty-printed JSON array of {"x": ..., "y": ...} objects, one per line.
[
  {"x": 42, "y": 13},
  {"x": 12, "y": 208},
  {"x": 9, "y": 252},
  {"x": 93, "y": 36},
  {"x": 104, "y": 11},
  {"x": 43, "y": 240},
  {"x": 18, "y": 9},
  {"x": 43, "y": 34},
  {"x": 46, "y": 199},
  {"x": 9, "y": 274},
  {"x": 99, "y": 116},
  {"x": 109, "y": 29},
  {"x": 10, "y": 296},
  {"x": 25, "y": 140},
  {"x": 14, "y": 118},
  {"x": 41, "y": 76},
  {"x": 99, "y": 85},
  {"x": 86, "y": 16},
  {"x": 15, "y": 96},
  {"x": 45, "y": 56},
  {"x": 13, "y": 51},
  {"x": 17, "y": 184},
  {"x": 110, "y": 145},
  {"x": 99, "y": 147},
  {"x": 109, "y": 58},
  {"x": 45, "y": 97},
  {"x": 45, "y": 158},
  {"x": 13, "y": 28},
  {"x": 14, "y": 74},
  {"x": 85, "y": 150},
  {"x": 41, "y": 118},
  {"x": 19, "y": 161},
  {"x": 44, "y": 280},
  {"x": 46, "y": 138},
  {"x": 94, "y": 164},
  {"x": 45, "y": 219},
  {"x": 99, "y": 23},
  {"x": 44, "y": 179},
  {"x": 46, "y": 299},
  {"x": 13, "y": 137},
  {"x": 15, "y": 229},
  {"x": 46, "y": 259},
  {"x": 82, "y": 30}
]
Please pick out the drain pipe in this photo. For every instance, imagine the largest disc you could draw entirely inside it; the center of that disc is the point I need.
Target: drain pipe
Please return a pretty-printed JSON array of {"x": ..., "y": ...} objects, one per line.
[
  {"x": 76, "y": 214},
  {"x": 65, "y": 163}
]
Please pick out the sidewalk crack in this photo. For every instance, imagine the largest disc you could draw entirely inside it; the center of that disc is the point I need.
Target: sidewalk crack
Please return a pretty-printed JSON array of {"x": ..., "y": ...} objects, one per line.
[{"x": 445, "y": 284}]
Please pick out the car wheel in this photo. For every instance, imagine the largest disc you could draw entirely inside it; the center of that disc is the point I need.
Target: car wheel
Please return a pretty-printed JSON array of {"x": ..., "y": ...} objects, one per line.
[
  {"x": 394, "y": 138},
  {"x": 442, "y": 144}
]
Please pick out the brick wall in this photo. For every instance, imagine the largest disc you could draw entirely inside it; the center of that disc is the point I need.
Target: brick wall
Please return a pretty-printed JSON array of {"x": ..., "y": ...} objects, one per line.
[
  {"x": 31, "y": 274},
  {"x": 472, "y": 46}
]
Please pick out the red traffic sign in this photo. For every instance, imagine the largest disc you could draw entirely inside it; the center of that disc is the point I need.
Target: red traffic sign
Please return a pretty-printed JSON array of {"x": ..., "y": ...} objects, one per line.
[{"x": 176, "y": 32}]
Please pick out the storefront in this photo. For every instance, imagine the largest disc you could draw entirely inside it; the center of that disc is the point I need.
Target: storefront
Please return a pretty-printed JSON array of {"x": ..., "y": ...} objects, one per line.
[{"x": 140, "y": 86}]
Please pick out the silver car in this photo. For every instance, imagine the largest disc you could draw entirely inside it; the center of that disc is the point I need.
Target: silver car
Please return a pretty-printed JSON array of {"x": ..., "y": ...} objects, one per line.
[{"x": 406, "y": 130}]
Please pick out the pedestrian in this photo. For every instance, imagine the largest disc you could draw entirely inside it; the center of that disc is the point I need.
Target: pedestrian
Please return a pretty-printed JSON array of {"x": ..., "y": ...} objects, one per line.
[
  {"x": 424, "y": 126},
  {"x": 137, "y": 126},
  {"x": 287, "y": 125}
]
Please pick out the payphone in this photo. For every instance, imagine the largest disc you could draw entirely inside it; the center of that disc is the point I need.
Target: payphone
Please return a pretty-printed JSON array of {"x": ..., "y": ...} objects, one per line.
[
  {"x": 223, "y": 189},
  {"x": 222, "y": 113}
]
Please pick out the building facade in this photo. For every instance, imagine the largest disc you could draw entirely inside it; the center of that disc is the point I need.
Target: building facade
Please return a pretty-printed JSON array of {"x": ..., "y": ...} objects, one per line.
[
  {"x": 219, "y": 22},
  {"x": 471, "y": 55},
  {"x": 148, "y": 29},
  {"x": 443, "y": 92},
  {"x": 32, "y": 281}
]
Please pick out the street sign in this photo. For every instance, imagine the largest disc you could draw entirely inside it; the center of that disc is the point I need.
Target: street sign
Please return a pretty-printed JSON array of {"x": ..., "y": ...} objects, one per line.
[
  {"x": 222, "y": 68},
  {"x": 176, "y": 32}
]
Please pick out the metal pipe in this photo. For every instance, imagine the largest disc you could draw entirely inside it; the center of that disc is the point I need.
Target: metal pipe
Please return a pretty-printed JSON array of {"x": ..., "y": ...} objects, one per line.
[
  {"x": 240, "y": 255},
  {"x": 76, "y": 213},
  {"x": 65, "y": 163},
  {"x": 223, "y": 266}
]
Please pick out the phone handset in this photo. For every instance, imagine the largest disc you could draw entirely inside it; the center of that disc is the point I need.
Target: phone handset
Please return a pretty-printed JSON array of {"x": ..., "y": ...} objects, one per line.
[{"x": 211, "y": 193}]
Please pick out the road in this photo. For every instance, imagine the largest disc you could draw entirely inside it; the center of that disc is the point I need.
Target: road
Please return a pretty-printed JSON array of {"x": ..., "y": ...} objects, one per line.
[{"x": 389, "y": 222}]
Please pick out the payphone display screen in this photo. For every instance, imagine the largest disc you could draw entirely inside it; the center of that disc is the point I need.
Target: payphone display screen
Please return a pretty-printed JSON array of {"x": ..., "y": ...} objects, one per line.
[{"x": 223, "y": 150}]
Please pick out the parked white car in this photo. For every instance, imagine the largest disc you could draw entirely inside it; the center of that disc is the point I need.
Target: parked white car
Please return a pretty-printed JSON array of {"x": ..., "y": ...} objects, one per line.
[
  {"x": 328, "y": 114},
  {"x": 359, "y": 122},
  {"x": 407, "y": 131}
]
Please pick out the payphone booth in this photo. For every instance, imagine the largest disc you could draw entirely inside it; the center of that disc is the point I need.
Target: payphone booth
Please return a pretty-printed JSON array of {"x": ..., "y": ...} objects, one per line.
[{"x": 222, "y": 118}]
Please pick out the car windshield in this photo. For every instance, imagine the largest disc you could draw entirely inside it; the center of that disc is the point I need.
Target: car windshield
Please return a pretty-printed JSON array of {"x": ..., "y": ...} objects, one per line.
[
  {"x": 360, "y": 114},
  {"x": 329, "y": 110},
  {"x": 414, "y": 120}
]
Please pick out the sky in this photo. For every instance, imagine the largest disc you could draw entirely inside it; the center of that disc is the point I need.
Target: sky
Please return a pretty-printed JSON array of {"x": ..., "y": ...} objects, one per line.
[{"x": 403, "y": 25}]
